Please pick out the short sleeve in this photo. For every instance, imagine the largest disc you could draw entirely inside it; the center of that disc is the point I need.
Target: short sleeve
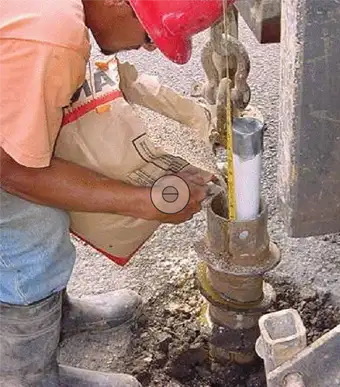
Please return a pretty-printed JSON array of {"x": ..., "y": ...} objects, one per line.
[{"x": 37, "y": 80}]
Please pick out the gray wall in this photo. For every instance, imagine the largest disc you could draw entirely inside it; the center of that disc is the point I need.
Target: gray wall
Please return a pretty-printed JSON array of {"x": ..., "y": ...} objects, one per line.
[{"x": 309, "y": 133}]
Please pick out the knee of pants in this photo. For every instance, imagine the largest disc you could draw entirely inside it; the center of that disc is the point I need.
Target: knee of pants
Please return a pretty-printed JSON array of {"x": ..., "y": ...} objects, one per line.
[{"x": 37, "y": 255}]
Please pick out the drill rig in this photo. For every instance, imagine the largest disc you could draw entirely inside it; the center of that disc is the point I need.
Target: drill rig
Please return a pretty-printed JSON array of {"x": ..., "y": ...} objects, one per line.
[{"x": 237, "y": 251}]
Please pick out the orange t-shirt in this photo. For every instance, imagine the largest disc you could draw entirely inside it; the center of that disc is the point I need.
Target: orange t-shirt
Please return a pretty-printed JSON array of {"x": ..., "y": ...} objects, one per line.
[{"x": 44, "y": 48}]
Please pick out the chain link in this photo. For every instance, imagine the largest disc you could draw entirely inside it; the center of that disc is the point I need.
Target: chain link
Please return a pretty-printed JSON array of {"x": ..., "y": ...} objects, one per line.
[{"x": 213, "y": 60}]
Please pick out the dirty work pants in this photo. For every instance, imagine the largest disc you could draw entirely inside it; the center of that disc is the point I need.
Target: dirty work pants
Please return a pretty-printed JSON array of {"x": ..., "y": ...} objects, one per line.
[{"x": 36, "y": 253}]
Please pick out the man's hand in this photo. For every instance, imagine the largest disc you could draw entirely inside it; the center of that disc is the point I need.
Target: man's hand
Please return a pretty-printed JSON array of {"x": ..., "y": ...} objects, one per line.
[
  {"x": 71, "y": 187},
  {"x": 193, "y": 194}
]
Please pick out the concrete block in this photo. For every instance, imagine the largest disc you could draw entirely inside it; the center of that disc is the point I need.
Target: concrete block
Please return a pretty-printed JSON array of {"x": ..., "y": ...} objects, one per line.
[{"x": 309, "y": 132}]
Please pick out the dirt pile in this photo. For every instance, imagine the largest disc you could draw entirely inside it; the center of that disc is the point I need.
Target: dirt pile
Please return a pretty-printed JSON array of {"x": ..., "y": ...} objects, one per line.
[{"x": 170, "y": 346}]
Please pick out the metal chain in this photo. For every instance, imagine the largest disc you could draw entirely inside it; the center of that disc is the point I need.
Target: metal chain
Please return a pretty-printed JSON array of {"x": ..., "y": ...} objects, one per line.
[{"x": 215, "y": 54}]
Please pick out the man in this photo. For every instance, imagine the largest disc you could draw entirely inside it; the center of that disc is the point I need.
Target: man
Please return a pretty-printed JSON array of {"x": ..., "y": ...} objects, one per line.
[{"x": 44, "y": 48}]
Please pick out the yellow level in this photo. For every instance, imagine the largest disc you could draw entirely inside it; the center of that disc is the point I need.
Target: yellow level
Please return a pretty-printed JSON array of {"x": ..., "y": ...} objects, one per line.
[{"x": 231, "y": 199}]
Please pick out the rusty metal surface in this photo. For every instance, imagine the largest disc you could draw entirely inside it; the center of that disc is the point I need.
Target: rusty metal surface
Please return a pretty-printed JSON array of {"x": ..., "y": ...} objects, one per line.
[
  {"x": 236, "y": 300},
  {"x": 237, "y": 238},
  {"x": 240, "y": 340},
  {"x": 215, "y": 298},
  {"x": 233, "y": 319},
  {"x": 263, "y": 17},
  {"x": 234, "y": 343},
  {"x": 238, "y": 288},
  {"x": 237, "y": 247},
  {"x": 214, "y": 260}
]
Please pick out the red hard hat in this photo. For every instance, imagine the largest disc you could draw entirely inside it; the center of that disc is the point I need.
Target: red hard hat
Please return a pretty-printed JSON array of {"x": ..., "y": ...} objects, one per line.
[{"x": 172, "y": 23}]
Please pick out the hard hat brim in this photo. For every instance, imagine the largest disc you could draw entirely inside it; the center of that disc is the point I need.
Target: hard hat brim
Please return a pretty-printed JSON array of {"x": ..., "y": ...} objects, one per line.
[{"x": 175, "y": 48}]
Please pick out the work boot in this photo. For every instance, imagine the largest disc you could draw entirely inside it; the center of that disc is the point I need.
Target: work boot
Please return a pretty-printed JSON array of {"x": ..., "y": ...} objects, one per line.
[
  {"x": 29, "y": 338},
  {"x": 99, "y": 312}
]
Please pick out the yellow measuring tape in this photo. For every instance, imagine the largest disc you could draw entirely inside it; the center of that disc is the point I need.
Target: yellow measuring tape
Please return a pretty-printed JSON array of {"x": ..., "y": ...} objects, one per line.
[{"x": 231, "y": 199}]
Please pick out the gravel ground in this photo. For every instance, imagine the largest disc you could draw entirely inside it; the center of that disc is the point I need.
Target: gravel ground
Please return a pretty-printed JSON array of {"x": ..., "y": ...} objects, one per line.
[{"x": 162, "y": 271}]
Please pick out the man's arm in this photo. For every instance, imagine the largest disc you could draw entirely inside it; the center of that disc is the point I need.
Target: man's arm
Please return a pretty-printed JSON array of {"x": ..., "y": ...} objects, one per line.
[
  {"x": 36, "y": 81},
  {"x": 71, "y": 187}
]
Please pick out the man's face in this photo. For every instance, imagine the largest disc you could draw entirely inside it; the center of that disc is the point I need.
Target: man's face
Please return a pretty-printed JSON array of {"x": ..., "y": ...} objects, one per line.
[{"x": 116, "y": 28}]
